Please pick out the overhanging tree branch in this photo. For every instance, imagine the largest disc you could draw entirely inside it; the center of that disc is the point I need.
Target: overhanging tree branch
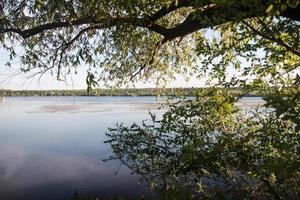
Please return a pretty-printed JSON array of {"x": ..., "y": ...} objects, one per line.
[{"x": 206, "y": 15}]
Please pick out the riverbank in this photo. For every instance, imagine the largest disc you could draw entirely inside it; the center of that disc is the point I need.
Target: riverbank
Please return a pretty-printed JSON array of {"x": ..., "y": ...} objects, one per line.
[{"x": 118, "y": 92}]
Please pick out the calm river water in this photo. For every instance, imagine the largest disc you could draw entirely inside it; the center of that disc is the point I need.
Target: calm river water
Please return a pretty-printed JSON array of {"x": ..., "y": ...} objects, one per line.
[{"x": 52, "y": 146}]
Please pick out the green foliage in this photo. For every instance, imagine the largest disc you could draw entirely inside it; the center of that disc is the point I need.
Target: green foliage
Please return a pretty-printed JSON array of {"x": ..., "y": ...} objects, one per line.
[
  {"x": 286, "y": 102},
  {"x": 171, "y": 92},
  {"x": 115, "y": 49},
  {"x": 207, "y": 148},
  {"x": 110, "y": 92},
  {"x": 90, "y": 82},
  {"x": 260, "y": 51},
  {"x": 197, "y": 141},
  {"x": 132, "y": 40}
]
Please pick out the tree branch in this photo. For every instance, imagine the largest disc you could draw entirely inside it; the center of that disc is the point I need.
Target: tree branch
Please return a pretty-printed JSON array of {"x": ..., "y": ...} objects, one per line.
[
  {"x": 170, "y": 8},
  {"x": 210, "y": 16},
  {"x": 205, "y": 15},
  {"x": 272, "y": 37}
]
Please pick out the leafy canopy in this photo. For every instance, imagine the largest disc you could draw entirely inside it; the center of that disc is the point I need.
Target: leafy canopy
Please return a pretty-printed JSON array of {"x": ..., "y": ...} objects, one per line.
[{"x": 122, "y": 40}]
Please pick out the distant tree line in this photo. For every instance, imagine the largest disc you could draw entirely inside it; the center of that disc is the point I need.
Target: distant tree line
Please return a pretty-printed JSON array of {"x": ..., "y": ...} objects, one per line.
[{"x": 117, "y": 92}]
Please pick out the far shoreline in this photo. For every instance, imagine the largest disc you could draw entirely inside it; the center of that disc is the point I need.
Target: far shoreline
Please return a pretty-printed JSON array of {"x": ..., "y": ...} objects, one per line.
[{"x": 129, "y": 92}]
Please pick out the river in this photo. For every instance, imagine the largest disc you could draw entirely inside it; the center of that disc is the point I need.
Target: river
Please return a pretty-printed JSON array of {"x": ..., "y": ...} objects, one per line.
[{"x": 52, "y": 146}]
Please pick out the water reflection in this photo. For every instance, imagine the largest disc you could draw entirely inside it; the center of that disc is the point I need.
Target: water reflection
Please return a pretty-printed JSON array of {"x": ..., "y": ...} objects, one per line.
[
  {"x": 50, "y": 146},
  {"x": 48, "y": 154}
]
